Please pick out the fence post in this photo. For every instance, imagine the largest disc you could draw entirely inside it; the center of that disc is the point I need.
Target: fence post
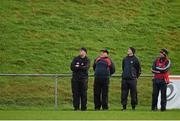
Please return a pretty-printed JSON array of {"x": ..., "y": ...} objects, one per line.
[{"x": 56, "y": 93}]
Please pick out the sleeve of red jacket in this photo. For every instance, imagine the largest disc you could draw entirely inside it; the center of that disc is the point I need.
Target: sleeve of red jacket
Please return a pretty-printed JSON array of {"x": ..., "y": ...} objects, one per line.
[
  {"x": 164, "y": 69},
  {"x": 112, "y": 68}
]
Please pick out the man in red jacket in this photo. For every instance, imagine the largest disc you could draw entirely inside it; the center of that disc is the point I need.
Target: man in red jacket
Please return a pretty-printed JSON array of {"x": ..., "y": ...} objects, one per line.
[
  {"x": 103, "y": 69},
  {"x": 160, "y": 69}
]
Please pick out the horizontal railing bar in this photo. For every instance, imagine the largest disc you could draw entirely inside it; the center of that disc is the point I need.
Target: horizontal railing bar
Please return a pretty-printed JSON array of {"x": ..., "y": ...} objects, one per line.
[
  {"x": 63, "y": 75},
  {"x": 41, "y": 75}
]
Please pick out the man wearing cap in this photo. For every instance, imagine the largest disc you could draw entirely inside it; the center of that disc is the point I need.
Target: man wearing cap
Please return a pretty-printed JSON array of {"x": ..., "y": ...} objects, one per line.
[
  {"x": 79, "y": 83},
  {"x": 131, "y": 71},
  {"x": 160, "y": 69},
  {"x": 103, "y": 69}
]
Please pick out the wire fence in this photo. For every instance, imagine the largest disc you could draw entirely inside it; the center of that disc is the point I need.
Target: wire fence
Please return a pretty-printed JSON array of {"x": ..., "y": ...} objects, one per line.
[{"x": 61, "y": 88}]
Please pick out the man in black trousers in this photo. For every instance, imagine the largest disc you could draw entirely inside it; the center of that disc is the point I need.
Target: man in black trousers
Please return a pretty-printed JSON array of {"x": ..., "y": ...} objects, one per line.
[
  {"x": 131, "y": 71},
  {"x": 160, "y": 69},
  {"x": 103, "y": 69},
  {"x": 79, "y": 83}
]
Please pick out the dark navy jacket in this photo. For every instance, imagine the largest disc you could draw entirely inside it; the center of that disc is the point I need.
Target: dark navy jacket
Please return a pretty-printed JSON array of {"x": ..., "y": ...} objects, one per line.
[
  {"x": 80, "y": 72},
  {"x": 131, "y": 68},
  {"x": 103, "y": 67}
]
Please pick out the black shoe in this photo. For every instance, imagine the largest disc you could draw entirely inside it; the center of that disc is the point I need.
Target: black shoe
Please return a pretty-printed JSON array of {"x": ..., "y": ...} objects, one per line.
[
  {"x": 105, "y": 109},
  {"x": 162, "y": 110},
  {"x": 76, "y": 109},
  {"x": 97, "y": 109},
  {"x": 123, "y": 109},
  {"x": 133, "y": 108},
  {"x": 83, "y": 109},
  {"x": 154, "y": 109}
]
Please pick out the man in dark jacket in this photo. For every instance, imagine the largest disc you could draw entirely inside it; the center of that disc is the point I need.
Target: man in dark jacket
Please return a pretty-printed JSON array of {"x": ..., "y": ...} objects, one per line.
[
  {"x": 79, "y": 82},
  {"x": 131, "y": 71},
  {"x": 104, "y": 68},
  {"x": 160, "y": 68}
]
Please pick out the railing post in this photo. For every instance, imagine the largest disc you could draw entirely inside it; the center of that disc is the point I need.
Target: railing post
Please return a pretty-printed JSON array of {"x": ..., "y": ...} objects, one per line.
[{"x": 56, "y": 93}]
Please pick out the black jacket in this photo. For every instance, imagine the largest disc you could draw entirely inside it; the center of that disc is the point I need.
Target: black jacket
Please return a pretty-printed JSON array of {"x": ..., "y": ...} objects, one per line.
[
  {"x": 80, "y": 72},
  {"x": 131, "y": 67},
  {"x": 103, "y": 67}
]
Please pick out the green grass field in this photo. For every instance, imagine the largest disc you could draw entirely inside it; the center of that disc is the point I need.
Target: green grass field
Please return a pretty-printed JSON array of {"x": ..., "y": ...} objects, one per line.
[
  {"x": 89, "y": 115},
  {"x": 42, "y": 36}
]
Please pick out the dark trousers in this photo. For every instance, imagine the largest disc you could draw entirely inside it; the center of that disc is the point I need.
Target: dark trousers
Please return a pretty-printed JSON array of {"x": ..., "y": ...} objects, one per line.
[
  {"x": 159, "y": 85},
  {"x": 101, "y": 86},
  {"x": 79, "y": 91},
  {"x": 127, "y": 85}
]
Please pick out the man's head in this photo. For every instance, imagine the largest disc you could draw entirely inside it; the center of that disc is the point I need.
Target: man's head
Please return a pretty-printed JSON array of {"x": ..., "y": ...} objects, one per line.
[
  {"x": 163, "y": 53},
  {"x": 131, "y": 51},
  {"x": 83, "y": 52},
  {"x": 105, "y": 52}
]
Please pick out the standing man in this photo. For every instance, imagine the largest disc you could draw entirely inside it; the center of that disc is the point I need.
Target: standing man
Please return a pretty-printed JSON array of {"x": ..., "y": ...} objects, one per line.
[
  {"x": 160, "y": 69},
  {"x": 79, "y": 83},
  {"x": 131, "y": 71},
  {"x": 103, "y": 69}
]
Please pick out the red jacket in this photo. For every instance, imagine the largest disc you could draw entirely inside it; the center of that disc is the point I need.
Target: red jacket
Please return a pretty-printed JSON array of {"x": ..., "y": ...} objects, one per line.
[{"x": 161, "y": 69}]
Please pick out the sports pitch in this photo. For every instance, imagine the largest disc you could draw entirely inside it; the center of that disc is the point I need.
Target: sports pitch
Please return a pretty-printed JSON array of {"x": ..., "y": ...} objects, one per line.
[{"x": 90, "y": 115}]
